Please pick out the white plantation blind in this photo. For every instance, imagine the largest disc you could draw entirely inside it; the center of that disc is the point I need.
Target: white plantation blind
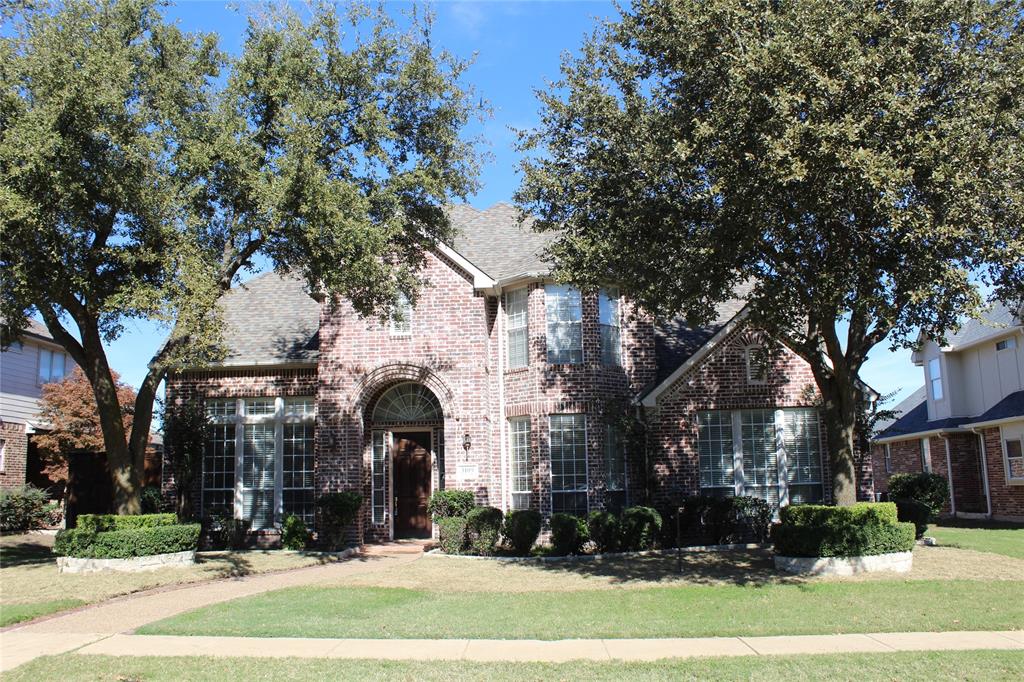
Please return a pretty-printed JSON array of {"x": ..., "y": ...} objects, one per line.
[
  {"x": 516, "y": 312},
  {"x": 258, "y": 471},
  {"x": 564, "y": 312},
  {"x": 802, "y": 441},
  {"x": 519, "y": 445},
  {"x": 715, "y": 451},
  {"x": 567, "y": 439},
  {"x": 760, "y": 455}
]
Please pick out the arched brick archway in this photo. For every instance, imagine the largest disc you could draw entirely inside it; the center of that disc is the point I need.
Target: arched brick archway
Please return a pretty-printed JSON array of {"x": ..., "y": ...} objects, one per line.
[{"x": 376, "y": 382}]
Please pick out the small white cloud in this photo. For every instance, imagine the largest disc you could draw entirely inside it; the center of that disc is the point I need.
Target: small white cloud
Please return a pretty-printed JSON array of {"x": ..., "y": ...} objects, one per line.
[{"x": 470, "y": 16}]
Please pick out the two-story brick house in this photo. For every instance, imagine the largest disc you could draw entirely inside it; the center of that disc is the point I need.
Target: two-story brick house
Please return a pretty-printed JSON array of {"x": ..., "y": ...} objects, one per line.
[
  {"x": 498, "y": 381},
  {"x": 967, "y": 422},
  {"x": 28, "y": 363}
]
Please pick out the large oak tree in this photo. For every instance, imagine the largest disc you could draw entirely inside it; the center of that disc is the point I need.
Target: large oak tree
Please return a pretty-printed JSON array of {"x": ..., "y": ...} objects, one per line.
[
  {"x": 144, "y": 171},
  {"x": 859, "y": 162}
]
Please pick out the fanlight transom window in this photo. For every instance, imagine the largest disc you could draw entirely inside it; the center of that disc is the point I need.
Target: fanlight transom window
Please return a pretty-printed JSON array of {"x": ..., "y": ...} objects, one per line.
[{"x": 408, "y": 402}]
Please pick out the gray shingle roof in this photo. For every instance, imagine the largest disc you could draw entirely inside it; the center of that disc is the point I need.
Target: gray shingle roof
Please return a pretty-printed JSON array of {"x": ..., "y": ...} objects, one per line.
[
  {"x": 496, "y": 241},
  {"x": 270, "y": 320},
  {"x": 902, "y": 409},
  {"x": 999, "y": 318},
  {"x": 37, "y": 328},
  {"x": 1010, "y": 406}
]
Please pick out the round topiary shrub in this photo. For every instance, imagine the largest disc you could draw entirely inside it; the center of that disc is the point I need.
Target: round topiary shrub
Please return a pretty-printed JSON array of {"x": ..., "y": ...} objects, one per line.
[
  {"x": 605, "y": 531},
  {"x": 640, "y": 528},
  {"x": 929, "y": 489},
  {"x": 23, "y": 508},
  {"x": 568, "y": 534},
  {"x": 294, "y": 534},
  {"x": 452, "y": 534},
  {"x": 483, "y": 526},
  {"x": 445, "y": 504},
  {"x": 521, "y": 529}
]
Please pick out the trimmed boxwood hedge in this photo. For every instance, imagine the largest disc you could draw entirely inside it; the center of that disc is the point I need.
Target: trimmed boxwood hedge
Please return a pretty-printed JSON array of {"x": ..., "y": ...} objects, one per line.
[
  {"x": 855, "y": 514},
  {"x": 125, "y": 544},
  {"x": 98, "y": 523},
  {"x": 843, "y": 541}
]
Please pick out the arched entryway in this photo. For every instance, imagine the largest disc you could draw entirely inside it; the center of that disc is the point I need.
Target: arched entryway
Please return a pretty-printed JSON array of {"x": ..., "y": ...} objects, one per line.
[{"x": 407, "y": 424}]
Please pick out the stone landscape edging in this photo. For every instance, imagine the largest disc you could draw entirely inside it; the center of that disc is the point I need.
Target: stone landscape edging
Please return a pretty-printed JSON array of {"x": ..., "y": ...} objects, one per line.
[
  {"x": 598, "y": 557},
  {"x": 151, "y": 562},
  {"x": 895, "y": 562}
]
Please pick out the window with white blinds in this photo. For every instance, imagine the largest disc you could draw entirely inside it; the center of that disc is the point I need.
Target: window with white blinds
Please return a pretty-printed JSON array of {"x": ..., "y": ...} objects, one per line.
[
  {"x": 517, "y": 321},
  {"x": 611, "y": 326},
  {"x": 519, "y": 449},
  {"x": 567, "y": 439},
  {"x": 771, "y": 454},
  {"x": 564, "y": 312},
  {"x": 379, "y": 476}
]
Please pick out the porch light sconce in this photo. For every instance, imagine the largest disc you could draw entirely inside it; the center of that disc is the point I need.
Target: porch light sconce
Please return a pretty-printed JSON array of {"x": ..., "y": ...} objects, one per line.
[{"x": 467, "y": 443}]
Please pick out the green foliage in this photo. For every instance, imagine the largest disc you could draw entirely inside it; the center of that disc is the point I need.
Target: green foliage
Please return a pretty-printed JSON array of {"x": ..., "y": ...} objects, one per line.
[
  {"x": 483, "y": 526},
  {"x": 843, "y": 540},
  {"x": 153, "y": 499},
  {"x": 98, "y": 523},
  {"x": 23, "y": 508},
  {"x": 568, "y": 534},
  {"x": 931, "y": 490},
  {"x": 520, "y": 530},
  {"x": 916, "y": 513},
  {"x": 821, "y": 514},
  {"x": 806, "y": 156},
  {"x": 185, "y": 428},
  {"x": 453, "y": 535},
  {"x": 224, "y": 531},
  {"x": 294, "y": 534},
  {"x": 710, "y": 520},
  {"x": 338, "y": 511},
  {"x": 640, "y": 528},
  {"x": 605, "y": 531},
  {"x": 127, "y": 542},
  {"x": 445, "y": 504}
]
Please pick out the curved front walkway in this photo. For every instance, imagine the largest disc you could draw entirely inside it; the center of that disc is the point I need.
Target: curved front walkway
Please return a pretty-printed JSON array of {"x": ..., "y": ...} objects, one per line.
[{"x": 77, "y": 628}]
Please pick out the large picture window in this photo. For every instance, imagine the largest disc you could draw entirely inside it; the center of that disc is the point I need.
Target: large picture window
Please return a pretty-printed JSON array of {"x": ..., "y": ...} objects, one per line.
[
  {"x": 771, "y": 454},
  {"x": 519, "y": 449},
  {"x": 517, "y": 317},
  {"x": 259, "y": 452},
  {"x": 611, "y": 323},
  {"x": 52, "y": 364},
  {"x": 564, "y": 312},
  {"x": 567, "y": 438}
]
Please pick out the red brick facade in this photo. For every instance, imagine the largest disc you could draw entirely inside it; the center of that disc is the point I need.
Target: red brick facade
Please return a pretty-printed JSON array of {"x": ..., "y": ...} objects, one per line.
[
  {"x": 1007, "y": 497},
  {"x": 15, "y": 443}
]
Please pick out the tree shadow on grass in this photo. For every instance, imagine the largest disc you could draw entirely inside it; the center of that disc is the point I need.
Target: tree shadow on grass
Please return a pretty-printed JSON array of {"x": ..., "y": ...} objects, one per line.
[
  {"x": 26, "y": 551},
  {"x": 744, "y": 567}
]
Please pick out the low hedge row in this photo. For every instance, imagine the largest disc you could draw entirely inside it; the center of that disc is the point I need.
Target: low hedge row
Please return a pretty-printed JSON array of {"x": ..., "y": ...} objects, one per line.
[
  {"x": 863, "y": 529},
  {"x": 855, "y": 514},
  {"x": 708, "y": 520},
  {"x": 99, "y": 523},
  {"x": 125, "y": 544}
]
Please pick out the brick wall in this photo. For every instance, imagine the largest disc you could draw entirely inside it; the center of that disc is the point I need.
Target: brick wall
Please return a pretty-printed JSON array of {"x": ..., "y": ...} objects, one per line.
[
  {"x": 966, "y": 480},
  {"x": 15, "y": 455},
  {"x": 1007, "y": 500}
]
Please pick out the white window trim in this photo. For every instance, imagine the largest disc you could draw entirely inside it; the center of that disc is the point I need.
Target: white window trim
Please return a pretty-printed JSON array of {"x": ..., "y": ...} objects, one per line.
[
  {"x": 3, "y": 455},
  {"x": 513, "y": 490},
  {"x": 932, "y": 378},
  {"x": 748, "y": 352},
  {"x": 1009, "y": 343},
  {"x": 547, "y": 325},
  {"x": 926, "y": 455},
  {"x": 586, "y": 463},
  {"x": 403, "y": 305},
  {"x": 1004, "y": 439},
  {"x": 509, "y": 328},
  {"x": 605, "y": 293},
  {"x": 888, "y": 458}
]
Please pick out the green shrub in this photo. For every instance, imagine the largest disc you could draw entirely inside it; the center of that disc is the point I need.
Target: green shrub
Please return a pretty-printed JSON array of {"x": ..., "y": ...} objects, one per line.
[
  {"x": 568, "y": 534},
  {"x": 452, "y": 534},
  {"x": 22, "y": 508},
  {"x": 294, "y": 534},
  {"x": 98, "y": 523},
  {"x": 914, "y": 512},
  {"x": 483, "y": 525},
  {"x": 124, "y": 544},
  {"x": 521, "y": 529},
  {"x": 843, "y": 540},
  {"x": 930, "y": 490},
  {"x": 640, "y": 528},
  {"x": 605, "y": 531},
  {"x": 338, "y": 511},
  {"x": 153, "y": 500},
  {"x": 445, "y": 504},
  {"x": 855, "y": 514},
  {"x": 710, "y": 520},
  {"x": 224, "y": 531},
  {"x": 749, "y": 515}
]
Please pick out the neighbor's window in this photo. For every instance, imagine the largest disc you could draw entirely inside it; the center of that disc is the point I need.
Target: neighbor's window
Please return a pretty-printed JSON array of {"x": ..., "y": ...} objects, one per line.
[
  {"x": 926, "y": 455},
  {"x": 888, "y": 458},
  {"x": 611, "y": 332},
  {"x": 757, "y": 360},
  {"x": 51, "y": 365},
  {"x": 564, "y": 311},
  {"x": 615, "y": 468},
  {"x": 1006, "y": 344},
  {"x": 3, "y": 453},
  {"x": 567, "y": 439},
  {"x": 1013, "y": 447},
  {"x": 516, "y": 315},
  {"x": 935, "y": 376},
  {"x": 519, "y": 446},
  {"x": 401, "y": 320}
]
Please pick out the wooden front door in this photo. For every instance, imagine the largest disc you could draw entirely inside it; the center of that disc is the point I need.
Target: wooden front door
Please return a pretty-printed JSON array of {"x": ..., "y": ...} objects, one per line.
[{"x": 412, "y": 484}]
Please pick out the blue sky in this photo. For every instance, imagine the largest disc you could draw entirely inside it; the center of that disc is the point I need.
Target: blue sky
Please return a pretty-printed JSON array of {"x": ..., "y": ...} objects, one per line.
[{"x": 517, "y": 47}]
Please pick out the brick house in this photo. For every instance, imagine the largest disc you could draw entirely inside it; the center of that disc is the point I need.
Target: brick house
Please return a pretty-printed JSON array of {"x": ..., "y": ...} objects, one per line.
[
  {"x": 529, "y": 393},
  {"x": 967, "y": 422}
]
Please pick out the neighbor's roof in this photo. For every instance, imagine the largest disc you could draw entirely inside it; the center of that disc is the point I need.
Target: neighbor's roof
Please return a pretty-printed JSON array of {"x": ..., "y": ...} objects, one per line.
[
  {"x": 497, "y": 242},
  {"x": 902, "y": 409},
  {"x": 37, "y": 328},
  {"x": 1009, "y": 407},
  {"x": 270, "y": 319},
  {"x": 992, "y": 323}
]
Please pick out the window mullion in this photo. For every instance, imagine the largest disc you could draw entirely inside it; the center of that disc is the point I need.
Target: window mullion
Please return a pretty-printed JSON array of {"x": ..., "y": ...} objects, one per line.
[
  {"x": 278, "y": 461},
  {"x": 781, "y": 457},
  {"x": 239, "y": 448},
  {"x": 737, "y": 453}
]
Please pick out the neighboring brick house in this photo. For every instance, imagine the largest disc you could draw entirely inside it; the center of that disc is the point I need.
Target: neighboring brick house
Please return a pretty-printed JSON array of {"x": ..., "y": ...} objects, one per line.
[
  {"x": 499, "y": 381},
  {"x": 967, "y": 422},
  {"x": 29, "y": 362}
]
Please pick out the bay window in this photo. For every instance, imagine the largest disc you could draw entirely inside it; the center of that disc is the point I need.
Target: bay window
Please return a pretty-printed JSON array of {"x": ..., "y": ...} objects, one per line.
[
  {"x": 567, "y": 440},
  {"x": 564, "y": 311}
]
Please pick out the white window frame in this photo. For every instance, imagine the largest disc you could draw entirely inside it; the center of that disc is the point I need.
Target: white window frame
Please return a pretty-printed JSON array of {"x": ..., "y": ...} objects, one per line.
[
  {"x": 3, "y": 455},
  {"x": 1006, "y": 344},
  {"x": 520, "y": 456},
  {"x": 380, "y": 468},
  {"x": 609, "y": 316},
  {"x": 401, "y": 321},
  {"x": 888, "y": 458},
  {"x": 586, "y": 463},
  {"x": 751, "y": 363},
  {"x": 926, "y": 455},
  {"x": 517, "y": 321},
  {"x": 1014, "y": 435},
  {"x": 935, "y": 379},
  {"x": 49, "y": 356},
  {"x": 552, "y": 294}
]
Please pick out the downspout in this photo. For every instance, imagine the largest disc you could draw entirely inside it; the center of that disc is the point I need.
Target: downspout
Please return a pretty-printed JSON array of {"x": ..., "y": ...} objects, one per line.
[
  {"x": 505, "y": 494},
  {"x": 984, "y": 473},
  {"x": 949, "y": 474}
]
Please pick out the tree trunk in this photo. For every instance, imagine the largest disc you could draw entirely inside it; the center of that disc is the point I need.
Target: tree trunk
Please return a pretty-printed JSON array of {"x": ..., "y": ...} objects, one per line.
[{"x": 841, "y": 399}]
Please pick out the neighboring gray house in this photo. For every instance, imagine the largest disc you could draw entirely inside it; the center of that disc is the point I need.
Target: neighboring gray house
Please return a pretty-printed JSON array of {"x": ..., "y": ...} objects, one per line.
[{"x": 28, "y": 363}]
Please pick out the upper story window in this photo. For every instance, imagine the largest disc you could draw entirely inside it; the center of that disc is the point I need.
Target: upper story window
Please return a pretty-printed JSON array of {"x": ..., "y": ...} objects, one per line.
[
  {"x": 516, "y": 313},
  {"x": 1006, "y": 344},
  {"x": 610, "y": 319},
  {"x": 401, "y": 321},
  {"x": 757, "y": 364},
  {"x": 935, "y": 378},
  {"x": 52, "y": 364},
  {"x": 565, "y": 324}
]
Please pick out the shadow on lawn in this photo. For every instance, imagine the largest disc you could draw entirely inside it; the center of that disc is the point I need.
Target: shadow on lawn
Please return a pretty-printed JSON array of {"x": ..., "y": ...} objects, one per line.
[
  {"x": 748, "y": 567},
  {"x": 28, "y": 551}
]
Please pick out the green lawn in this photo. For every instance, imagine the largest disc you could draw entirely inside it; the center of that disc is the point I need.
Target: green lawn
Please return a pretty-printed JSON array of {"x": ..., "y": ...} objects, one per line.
[
  {"x": 691, "y": 611},
  {"x": 1008, "y": 541},
  {"x": 988, "y": 666},
  {"x": 15, "y": 613}
]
